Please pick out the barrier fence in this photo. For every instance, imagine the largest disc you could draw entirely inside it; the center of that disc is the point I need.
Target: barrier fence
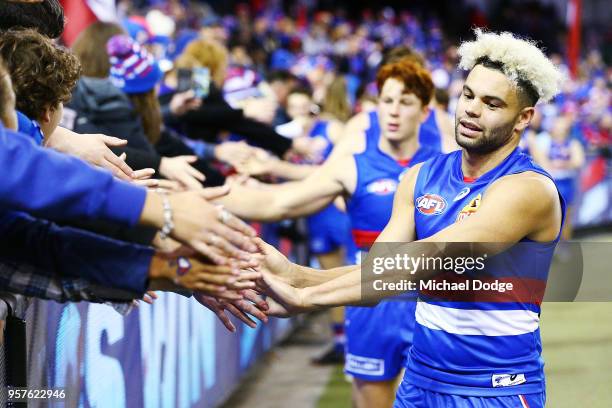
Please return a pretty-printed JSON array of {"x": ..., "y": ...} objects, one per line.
[
  {"x": 173, "y": 353},
  {"x": 12, "y": 345}
]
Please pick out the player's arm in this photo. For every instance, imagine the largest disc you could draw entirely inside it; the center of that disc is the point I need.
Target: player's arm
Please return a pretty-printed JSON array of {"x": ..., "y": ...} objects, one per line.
[
  {"x": 340, "y": 286},
  {"x": 532, "y": 210},
  {"x": 298, "y": 276},
  {"x": 292, "y": 199},
  {"x": 290, "y": 171}
]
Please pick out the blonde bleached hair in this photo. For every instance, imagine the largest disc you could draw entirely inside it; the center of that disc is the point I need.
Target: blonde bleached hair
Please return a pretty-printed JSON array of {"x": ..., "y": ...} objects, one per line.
[{"x": 519, "y": 59}]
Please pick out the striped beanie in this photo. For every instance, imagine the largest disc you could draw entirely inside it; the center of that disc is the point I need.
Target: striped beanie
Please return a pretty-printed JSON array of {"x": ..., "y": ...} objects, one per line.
[{"x": 133, "y": 69}]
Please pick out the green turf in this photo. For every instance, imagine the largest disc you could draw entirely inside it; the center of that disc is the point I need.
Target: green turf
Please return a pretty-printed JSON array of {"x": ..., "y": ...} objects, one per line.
[
  {"x": 337, "y": 394},
  {"x": 577, "y": 341}
]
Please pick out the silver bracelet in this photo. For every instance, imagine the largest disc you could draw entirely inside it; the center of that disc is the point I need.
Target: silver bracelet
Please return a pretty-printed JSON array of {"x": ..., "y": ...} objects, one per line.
[{"x": 168, "y": 222}]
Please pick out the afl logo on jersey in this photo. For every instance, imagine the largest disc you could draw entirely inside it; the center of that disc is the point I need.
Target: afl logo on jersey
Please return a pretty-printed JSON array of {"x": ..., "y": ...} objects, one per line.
[
  {"x": 431, "y": 204},
  {"x": 382, "y": 187}
]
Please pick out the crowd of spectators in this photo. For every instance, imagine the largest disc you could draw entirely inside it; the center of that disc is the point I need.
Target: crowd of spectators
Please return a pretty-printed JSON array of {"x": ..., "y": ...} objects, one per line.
[{"x": 317, "y": 44}]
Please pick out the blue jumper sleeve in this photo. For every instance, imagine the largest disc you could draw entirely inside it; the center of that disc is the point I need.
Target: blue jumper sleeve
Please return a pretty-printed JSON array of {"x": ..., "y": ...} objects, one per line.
[
  {"x": 70, "y": 252},
  {"x": 61, "y": 187}
]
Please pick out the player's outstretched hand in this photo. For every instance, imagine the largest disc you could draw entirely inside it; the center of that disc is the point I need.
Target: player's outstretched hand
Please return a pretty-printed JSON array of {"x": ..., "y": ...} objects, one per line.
[
  {"x": 278, "y": 280},
  {"x": 286, "y": 300},
  {"x": 275, "y": 263},
  {"x": 250, "y": 302}
]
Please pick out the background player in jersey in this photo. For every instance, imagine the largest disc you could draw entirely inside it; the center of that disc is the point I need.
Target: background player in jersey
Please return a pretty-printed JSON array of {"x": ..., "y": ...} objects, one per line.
[
  {"x": 472, "y": 354},
  {"x": 378, "y": 338},
  {"x": 436, "y": 131},
  {"x": 562, "y": 156}
]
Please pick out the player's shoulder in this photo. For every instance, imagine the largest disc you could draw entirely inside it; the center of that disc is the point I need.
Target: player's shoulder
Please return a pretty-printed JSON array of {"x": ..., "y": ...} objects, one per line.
[
  {"x": 532, "y": 199},
  {"x": 359, "y": 121},
  {"x": 534, "y": 189},
  {"x": 530, "y": 178},
  {"x": 350, "y": 143},
  {"x": 341, "y": 161},
  {"x": 408, "y": 181}
]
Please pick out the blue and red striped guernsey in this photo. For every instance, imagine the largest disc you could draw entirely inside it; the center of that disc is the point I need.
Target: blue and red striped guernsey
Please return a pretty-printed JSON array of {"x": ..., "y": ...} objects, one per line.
[
  {"x": 378, "y": 176},
  {"x": 483, "y": 346}
]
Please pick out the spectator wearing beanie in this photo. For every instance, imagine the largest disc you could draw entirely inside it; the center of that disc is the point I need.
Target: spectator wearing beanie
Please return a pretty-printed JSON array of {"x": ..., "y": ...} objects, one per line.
[
  {"x": 133, "y": 69},
  {"x": 137, "y": 74},
  {"x": 98, "y": 106}
]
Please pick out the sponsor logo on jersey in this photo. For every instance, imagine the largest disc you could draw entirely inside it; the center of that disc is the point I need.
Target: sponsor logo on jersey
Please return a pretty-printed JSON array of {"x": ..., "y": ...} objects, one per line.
[
  {"x": 507, "y": 380},
  {"x": 462, "y": 194},
  {"x": 431, "y": 204},
  {"x": 382, "y": 187},
  {"x": 364, "y": 365},
  {"x": 469, "y": 209}
]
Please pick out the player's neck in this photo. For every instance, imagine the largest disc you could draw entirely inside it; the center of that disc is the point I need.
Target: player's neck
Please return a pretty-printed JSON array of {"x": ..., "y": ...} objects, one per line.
[
  {"x": 400, "y": 149},
  {"x": 474, "y": 165}
]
